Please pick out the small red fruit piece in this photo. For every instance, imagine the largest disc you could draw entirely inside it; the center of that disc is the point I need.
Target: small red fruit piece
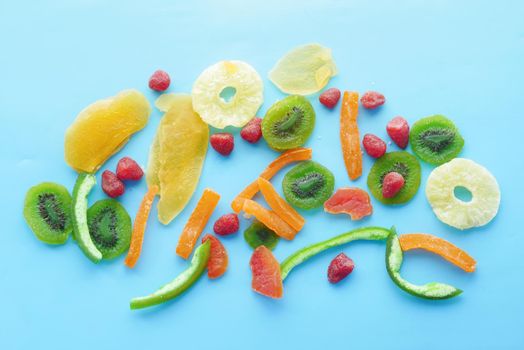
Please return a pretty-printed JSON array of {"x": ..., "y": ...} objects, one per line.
[
  {"x": 128, "y": 169},
  {"x": 398, "y": 130},
  {"x": 112, "y": 185},
  {"x": 330, "y": 97},
  {"x": 252, "y": 132},
  {"x": 372, "y": 99},
  {"x": 392, "y": 184},
  {"x": 223, "y": 143},
  {"x": 374, "y": 145},
  {"x": 352, "y": 201},
  {"x": 226, "y": 225},
  {"x": 159, "y": 81},
  {"x": 218, "y": 259},
  {"x": 265, "y": 269},
  {"x": 339, "y": 268}
]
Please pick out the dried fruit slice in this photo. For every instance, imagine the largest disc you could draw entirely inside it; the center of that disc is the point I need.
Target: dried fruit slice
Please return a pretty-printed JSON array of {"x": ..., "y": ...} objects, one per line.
[
  {"x": 350, "y": 136},
  {"x": 102, "y": 128},
  {"x": 460, "y": 172},
  {"x": 233, "y": 77},
  {"x": 352, "y": 201},
  {"x": 258, "y": 234},
  {"x": 218, "y": 259},
  {"x": 177, "y": 155},
  {"x": 304, "y": 70},
  {"x": 269, "y": 218},
  {"x": 265, "y": 270}
]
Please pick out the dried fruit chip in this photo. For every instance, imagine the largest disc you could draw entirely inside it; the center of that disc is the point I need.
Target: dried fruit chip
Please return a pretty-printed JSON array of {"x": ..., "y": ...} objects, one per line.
[
  {"x": 265, "y": 270},
  {"x": 218, "y": 259},
  {"x": 352, "y": 201}
]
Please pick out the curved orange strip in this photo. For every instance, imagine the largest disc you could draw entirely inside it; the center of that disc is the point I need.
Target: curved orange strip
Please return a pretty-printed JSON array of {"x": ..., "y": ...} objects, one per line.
[{"x": 269, "y": 218}]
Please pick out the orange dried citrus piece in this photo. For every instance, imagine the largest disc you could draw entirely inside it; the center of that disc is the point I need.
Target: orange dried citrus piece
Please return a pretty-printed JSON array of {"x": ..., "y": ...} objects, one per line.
[
  {"x": 269, "y": 218},
  {"x": 349, "y": 135}
]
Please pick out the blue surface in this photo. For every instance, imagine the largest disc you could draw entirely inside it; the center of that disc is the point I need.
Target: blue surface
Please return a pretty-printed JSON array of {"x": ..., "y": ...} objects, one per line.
[{"x": 459, "y": 58}]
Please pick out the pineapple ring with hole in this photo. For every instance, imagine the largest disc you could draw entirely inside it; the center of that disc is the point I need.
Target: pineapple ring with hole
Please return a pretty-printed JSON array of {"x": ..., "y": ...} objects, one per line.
[
  {"x": 228, "y": 76},
  {"x": 460, "y": 172}
]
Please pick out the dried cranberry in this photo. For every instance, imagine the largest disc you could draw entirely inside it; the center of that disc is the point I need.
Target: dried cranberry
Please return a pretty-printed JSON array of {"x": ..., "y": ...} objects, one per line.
[
  {"x": 128, "y": 169},
  {"x": 112, "y": 185},
  {"x": 226, "y": 225},
  {"x": 372, "y": 99},
  {"x": 223, "y": 143},
  {"x": 392, "y": 184},
  {"x": 330, "y": 97},
  {"x": 374, "y": 145},
  {"x": 339, "y": 268},
  {"x": 398, "y": 130},
  {"x": 252, "y": 132}
]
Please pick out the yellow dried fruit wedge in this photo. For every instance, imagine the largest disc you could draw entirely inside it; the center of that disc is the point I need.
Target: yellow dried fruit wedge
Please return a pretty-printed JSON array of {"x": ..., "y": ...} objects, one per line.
[
  {"x": 102, "y": 128},
  {"x": 304, "y": 70},
  {"x": 177, "y": 154}
]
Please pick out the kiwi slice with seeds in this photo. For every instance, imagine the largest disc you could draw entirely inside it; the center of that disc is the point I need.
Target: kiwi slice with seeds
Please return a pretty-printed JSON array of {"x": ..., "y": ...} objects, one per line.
[
  {"x": 110, "y": 227},
  {"x": 401, "y": 162},
  {"x": 47, "y": 211},
  {"x": 288, "y": 123},
  {"x": 435, "y": 139},
  {"x": 258, "y": 234},
  {"x": 308, "y": 185}
]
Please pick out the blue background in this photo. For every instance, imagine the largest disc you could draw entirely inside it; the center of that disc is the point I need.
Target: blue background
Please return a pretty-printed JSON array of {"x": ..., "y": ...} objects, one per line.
[{"x": 459, "y": 58}]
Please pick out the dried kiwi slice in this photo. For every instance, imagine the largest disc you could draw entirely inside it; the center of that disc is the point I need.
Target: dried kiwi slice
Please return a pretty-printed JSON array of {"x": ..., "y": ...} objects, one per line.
[
  {"x": 288, "y": 123},
  {"x": 109, "y": 227},
  {"x": 47, "y": 211},
  {"x": 435, "y": 139},
  {"x": 308, "y": 185},
  {"x": 258, "y": 234},
  {"x": 401, "y": 162}
]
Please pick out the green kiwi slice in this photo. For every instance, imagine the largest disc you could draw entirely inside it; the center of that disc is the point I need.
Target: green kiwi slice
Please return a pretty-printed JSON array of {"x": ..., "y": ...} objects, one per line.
[
  {"x": 258, "y": 234},
  {"x": 110, "y": 227},
  {"x": 435, "y": 139},
  {"x": 308, "y": 185},
  {"x": 288, "y": 123},
  {"x": 401, "y": 162},
  {"x": 47, "y": 211}
]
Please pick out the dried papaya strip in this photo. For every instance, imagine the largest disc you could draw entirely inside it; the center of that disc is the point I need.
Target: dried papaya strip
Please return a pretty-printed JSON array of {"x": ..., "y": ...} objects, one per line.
[
  {"x": 269, "y": 218},
  {"x": 349, "y": 135},
  {"x": 439, "y": 246},
  {"x": 294, "y": 155},
  {"x": 139, "y": 227},
  {"x": 280, "y": 206},
  {"x": 197, "y": 222}
]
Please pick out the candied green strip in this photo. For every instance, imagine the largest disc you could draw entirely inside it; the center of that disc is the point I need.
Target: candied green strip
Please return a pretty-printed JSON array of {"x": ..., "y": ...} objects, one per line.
[
  {"x": 365, "y": 233},
  {"x": 83, "y": 186},
  {"x": 180, "y": 284},
  {"x": 432, "y": 290}
]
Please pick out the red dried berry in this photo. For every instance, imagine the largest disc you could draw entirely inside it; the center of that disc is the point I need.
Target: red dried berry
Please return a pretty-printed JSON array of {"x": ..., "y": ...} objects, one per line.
[
  {"x": 339, "y": 268},
  {"x": 372, "y": 99},
  {"x": 252, "y": 132},
  {"x": 374, "y": 145},
  {"x": 159, "y": 81},
  {"x": 226, "y": 225},
  {"x": 330, "y": 97},
  {"x": 392, "y": 184},
  {"x": 112, "y": 185},
  {"x": 223, "y": 143},
  {"x": 398, "y": 130},
  {"x": 128, "y": 169}
]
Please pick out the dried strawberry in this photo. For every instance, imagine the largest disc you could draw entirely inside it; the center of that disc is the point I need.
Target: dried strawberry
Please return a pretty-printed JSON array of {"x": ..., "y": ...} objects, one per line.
[
  {"x": 112, "y": 185},
  {"x": 159, "y": 81},
  {"x": 330, "y": 97},
  {"x": 339, "y": 268},
  {"x": 226, "y": 225},
  {"x": 374, "y": 145},
  {"x": 392, "y": 184},
  {"x": 252, "y": 132},
  {"x": 372, "y": 99},
  {"x": 398, "y": 130},
  {"x": 223, "y": 143},
  {"x": 128, "y": 169}
]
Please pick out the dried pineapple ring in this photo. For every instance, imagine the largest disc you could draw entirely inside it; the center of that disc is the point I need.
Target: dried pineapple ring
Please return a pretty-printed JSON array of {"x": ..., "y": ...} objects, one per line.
[
  {"x": 218, "y": 78},
  {"x": 475, "y": 178}
]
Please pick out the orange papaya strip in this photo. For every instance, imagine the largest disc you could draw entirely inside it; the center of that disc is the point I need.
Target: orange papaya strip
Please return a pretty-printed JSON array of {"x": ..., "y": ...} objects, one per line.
[
  {"x": 294, "y": 155},
  {"x": 439, "y": 246},
  {"x": 139, "y": 227},
  {"x": 349, "y": 135},
  {"x": 197, "y": 222},
  {"x": 269, "y": 218},
  {"x": 280, "y": 206}
]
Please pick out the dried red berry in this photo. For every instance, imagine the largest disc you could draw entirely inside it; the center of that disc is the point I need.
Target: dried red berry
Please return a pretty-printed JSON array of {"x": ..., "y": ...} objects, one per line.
[
  {"x": 398, "y": 130},
  {"x": 159, "y": 81},
  {"x": 330, "y": 97},
  {"x": 372, "y": 99},
  {"x": 223, "y": 143},
  {"x": 339, "y": 268},
  {"x": 128, "y": 169},
  {"x": 252, "y": 132},
  {"x": 374, "y": 145},
  {"x": 392, "y": 184},
  {"x": 226, "y": 225},
  {"x": 112, "y": 185}
]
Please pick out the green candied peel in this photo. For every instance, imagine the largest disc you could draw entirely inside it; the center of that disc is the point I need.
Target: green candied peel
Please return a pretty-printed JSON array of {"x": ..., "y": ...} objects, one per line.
[
  {"x": 258, "y": 234},
  {"x": 432, "y": 290},
  {"x": 83, "y": 186},
  {"x": 304, "y": 254},
  {"x": 181, "y": 283}
]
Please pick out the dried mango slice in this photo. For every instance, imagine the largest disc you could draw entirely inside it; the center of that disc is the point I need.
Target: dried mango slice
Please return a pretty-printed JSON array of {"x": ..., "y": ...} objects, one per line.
[
  {"x": 304, "y": 70},
  {"x": 177, "y": 155},
  {"x": 103, "y": 128}
]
